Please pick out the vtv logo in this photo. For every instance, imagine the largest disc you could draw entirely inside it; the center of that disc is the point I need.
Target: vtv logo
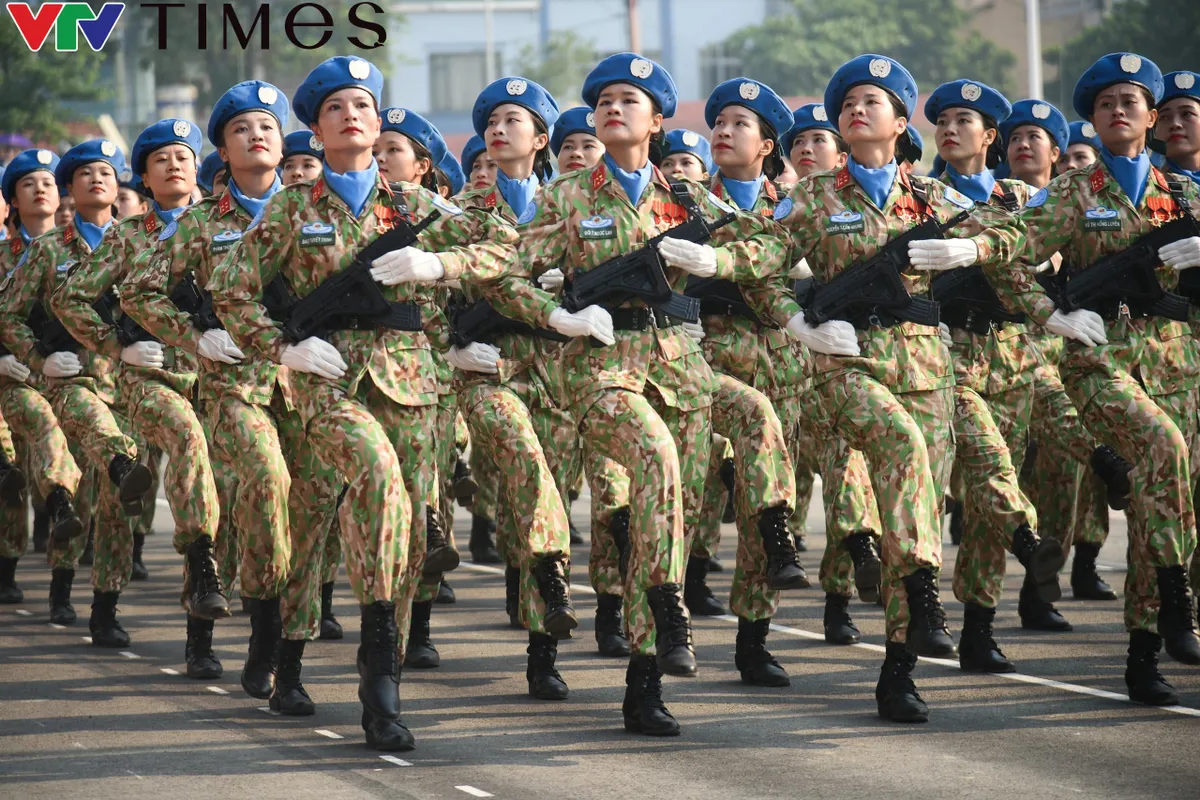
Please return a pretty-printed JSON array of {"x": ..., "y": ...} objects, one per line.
[{"x": 67, "y": 20}]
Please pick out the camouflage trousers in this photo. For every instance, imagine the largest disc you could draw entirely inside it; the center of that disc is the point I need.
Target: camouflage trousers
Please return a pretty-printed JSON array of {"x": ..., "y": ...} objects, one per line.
[
  {"x": 1155, "y": 434},
  {"x": 665, "y": 451},
  {"x": 990, "y": 434},
  {"x": 532, "y": 522},
  {"x": 609, "y": 484},
  {"x": 487, "y": 499},
  {"x": 446, "y": 454},
  {"x": 14, "y": 520},
  {"x": 152, "y": 457},
  {"x": 707, "y": 537},
  {"x": 907, "y": 440}
]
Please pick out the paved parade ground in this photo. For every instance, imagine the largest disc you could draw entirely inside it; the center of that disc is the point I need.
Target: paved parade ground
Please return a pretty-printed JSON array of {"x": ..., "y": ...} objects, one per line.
[{"x": 80, "y": 722}]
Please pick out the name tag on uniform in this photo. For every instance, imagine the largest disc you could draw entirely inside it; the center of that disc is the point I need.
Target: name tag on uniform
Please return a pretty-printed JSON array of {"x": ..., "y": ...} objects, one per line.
[
  {"x": 317, "y": 234},
  {"x": 224, "y": 241},
  {"x": 1101, "y": 219},
  {"x": 598, "y": 228},
  {"x": 845, "y": 222}
]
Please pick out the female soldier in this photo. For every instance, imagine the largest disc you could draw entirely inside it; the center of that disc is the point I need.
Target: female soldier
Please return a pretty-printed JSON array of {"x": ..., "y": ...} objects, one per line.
[
  {"x": 685, "y": 154},
  {"x": 1131, "y": 370},
  {"x": 813, "y": 143},
  {"x": 477, "y": 164},
  {"x": 302, "y": 152},
  {"x": 1083, "y": 148},
  {"x": 130, "y": 200},
  {"x": 574, "y": 141},
  {"x": 212, "y": 173}
]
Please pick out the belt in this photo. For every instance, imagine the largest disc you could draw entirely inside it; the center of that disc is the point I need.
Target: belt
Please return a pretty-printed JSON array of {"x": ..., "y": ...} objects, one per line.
[{"x": 640, "y": 319}]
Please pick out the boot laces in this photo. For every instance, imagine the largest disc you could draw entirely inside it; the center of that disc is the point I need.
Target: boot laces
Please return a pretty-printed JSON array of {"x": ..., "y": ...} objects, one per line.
[
  {"x": 552, "y": 583},
  {"x": 1176, "y": 595},
  {"x": 673, "y": 622},
  {"x": 777, "y": 539},
  {"x": 861, "y": 548},
  {"x": 923, "y": 594}
]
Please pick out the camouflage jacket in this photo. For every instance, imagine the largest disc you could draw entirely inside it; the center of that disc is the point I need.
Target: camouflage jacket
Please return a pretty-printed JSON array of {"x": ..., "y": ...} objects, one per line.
[
  {"x": 42, "y": 269},
  {"x": 833, "y": 224},
  {"x": 11, "y": 251},
  {"x": 129, "y": 242},
  {"x": 1084, "y": 214},
  {"x": 308, "y": 234},
  {"x": 666, "y": 358}
]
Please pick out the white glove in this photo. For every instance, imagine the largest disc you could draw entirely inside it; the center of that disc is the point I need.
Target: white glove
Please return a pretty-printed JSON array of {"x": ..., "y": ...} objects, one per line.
[
  {"x": 217, "y": 345},
  {"x": 800, "y": 271},
  {"x": 316, "y": 356},
  {"x": 475, "y": 357},
  {"x": 1183, "y": 254},
  {"x": 11, "y": 368},
  {"x": 694, "y": 330},
  {"x": 944, "y": 332},
  {"x": 143, "y": 354},
  {"x": 62, "y": 365},
  {"x": 1081, "y": 325},
  {"x": 695, "y": 259},
  {"x": 942, "y": 254},
  {"x": 1042, "y": 267},
  {"x": 836, "y": 337},
  {"x": 592, "y": 321},
  {"x": 407, "y": 265},
  {"x": 551, "y": 279}
]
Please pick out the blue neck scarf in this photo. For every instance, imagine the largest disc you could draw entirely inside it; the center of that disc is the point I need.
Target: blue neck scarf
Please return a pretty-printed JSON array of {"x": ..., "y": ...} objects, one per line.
[
  {"x": 634, "y": 183},
  {"x": 744, "y": 193},
  {"x": 92, "y": 234},
  {"x": 978, "y": 187},
  {"x": 353, "y": 187},
  {"x": 169, "y": 215},
  {"x": 1131, "y": 173},
  {"x": 517, "y": 193},
  {"x": 4, "y": 235},
  {"x": 1193, "y": 174},
  {"x": 254, "y": 205},
  {"x": 24, "y": 234},
  {"x": 877, "y": 183}
]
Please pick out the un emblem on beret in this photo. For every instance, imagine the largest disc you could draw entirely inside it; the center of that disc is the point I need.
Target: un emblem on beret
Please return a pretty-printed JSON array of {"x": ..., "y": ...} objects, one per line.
[
  {"x": 1185, "y": 80},
  {"x": 44, "y": 156},
  {"x": 395, "y": 116},
  {"x": 126, "y": 176},
  {"x": 516, "y": 87},
  {"x": 315, "y": 144},
  {"x": 880, "y": 67},
  {"x": 1040, "y": 111},
  {"x": 691, "y": 138},
  {"x": 359, "y": 69},
  {"x": 1087, "y": 130},
  {"x": 267, "y": 95},
  {"x": 640, "y": 68},
  {"x": 819, "y": 114},
  {"x": 182, "y": 128},
  {"x": 108, "y": 148},
  {"x": 971, "y": 92},
  {"x": 749, "y": 91},
  {"x": 590, "y": 119},
  {"x": 1131, "y": 63}
]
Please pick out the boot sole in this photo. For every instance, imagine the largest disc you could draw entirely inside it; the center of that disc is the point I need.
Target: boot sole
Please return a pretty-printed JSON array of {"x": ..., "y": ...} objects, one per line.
[
  {"x": 620, "y": 651},
  {"x": 133, "y": 490},
  {"x": 1047, "y": 561},
  {"x": 444, "y": 559},
  {"x": 798, "y": 582},
  {"x": 909, "y": 720},
  {"x": 1182, "y": 655},
  {"x": 843, "y": 640},
  {"x": 401, "y": 744},
  {"x": 12, "y": 599},
  {"x": 110, "y": 644},
  {"x": 1164, "y": 700},
  {"x": 66, "y": 530},
  {"x": 868, "y": 577},
  {"x": 983, "y": 669},
  {"x": 211, "y": 609},
  {"x": 423, "y": 663},
  {"x": 678, "y": 671},
  {"x": 698, "y": 609},
  {"x": 64, "y": 620},
  {"x": 11, "y": 487},
  {"x": 302, "y": 711},
  {"x": 485, "y": 558},
  {"x": 1033, "y": 626},
  {"x": 633, "y": 726},
  {"x": 1085, "y": 594},
  {"x": 257, "y": 694},
  {"x": 943, "y": 652},
  {"x": 560, "y": 624},
  {"x": 464, "y": 490},
  {"x": 330, "y": 634},
  {"x": 205, "y": 674}
]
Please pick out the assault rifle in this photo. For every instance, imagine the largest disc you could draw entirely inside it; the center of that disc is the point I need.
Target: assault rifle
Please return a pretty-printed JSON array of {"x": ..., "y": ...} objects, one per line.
[
  {"x": 189, "y": 298},
  {"x": 482, "y": 323},
  {"x": 966, "y": 300},
  {"x": 53, "y": 337},
  {"x": 720, "y": 298}
]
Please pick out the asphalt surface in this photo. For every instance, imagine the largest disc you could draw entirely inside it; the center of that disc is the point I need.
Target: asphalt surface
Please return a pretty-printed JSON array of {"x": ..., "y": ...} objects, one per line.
[{"x": 77, "y": 721}]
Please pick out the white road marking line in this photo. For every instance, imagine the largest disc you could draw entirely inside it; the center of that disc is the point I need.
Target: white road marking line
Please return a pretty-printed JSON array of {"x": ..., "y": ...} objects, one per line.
[
  {"x": 56, "y": 626},
  {"x": 87, "y": 639},
  {"x": 471, "y": 790},
  {"x": 161, "y": 502},
  {"x": 169, "y": 671},
  {"x": 129, "y": 654},
  {"x": 80, "y": 745},
  {"x": 267, "y": 710},
  {"x": 328, "y": 734},
  {"x": 216, "y": 690},
  {"x": 399, "y": 762},
  {"x": 21, "y": 612},
  {"x": 134, "y": 774}
]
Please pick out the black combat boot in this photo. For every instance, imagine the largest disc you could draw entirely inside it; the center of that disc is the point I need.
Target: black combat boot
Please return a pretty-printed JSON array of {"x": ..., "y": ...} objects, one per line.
[
  {"x": 618, "y": 528},
  {"x": 715, "y": 565},
  {"x": 610, "y": 627},
  {"x": 696, "y": 592},
  {"x": 105, "y": 627},
  {"x": 1177, "y": 615},
  {"x": 12, "y": 483},
  {"x": 783, "y": 563},
  {"x": 63, "y": 523},
  {"x": 41, "y": 528},
  {"x": 290, "y": 697},
  {"x": 544, "y": 681},
  {"x": 643, "y": 707},
  {"x": 89, "y": 549},
  {"x": 61, "y": 610},
  {"x": 977, "y": 650},
  {"x": 573, "y": 534},
  {"x": 727, "y": 472},
  {"x": 954, "y": 508},
  {"x": 10, "y": 593},
  {"x": 673, "y": 630},
  {"x": 1042, "y": 558},
  {"x": 550, "y": 572},
  {"x": 330, "y": 627},
  {"x": 465, "y": 485},
  {"x": 483, "y": 541},
  {"x": 927, "y": 632},
  {"x": 1036, "y": 614},
  {"x": 839, "y": 627},
  {"x": 262, "y": 658},
  {"x": 868, "y": 570},
  {"x": 133, "y": 481},
  {"x": 896, "y": 695},
  {"x": 379, "y": 679},
  {"x": 445, "y": 595},
  {"x": 1146, "y": 684},
  {"x": 1114, "y": 471},
  {"x": 512, "y": 596},
  {"x": 1086, "y": 583},
  {"x": 139, "y": 569},
  {"x": 751, "y": 657},
  {"x": 420, "y": 652},
  {"x": 440, "y": 557},
  {"x": 205, "y": 598},
  {"x": 202, "y": 663}
]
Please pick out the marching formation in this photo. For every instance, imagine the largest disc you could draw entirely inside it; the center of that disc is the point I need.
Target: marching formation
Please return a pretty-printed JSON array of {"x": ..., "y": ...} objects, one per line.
[{"x": 334, "y": 335}]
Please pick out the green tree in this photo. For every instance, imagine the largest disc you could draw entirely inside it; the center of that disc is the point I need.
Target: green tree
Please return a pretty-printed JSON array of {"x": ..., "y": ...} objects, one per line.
[
  {"x": 798, "y": 51},
  {"x": 561, "y": 67},
  {"x": 35, "y": 86},
  {"x": 1163, "y": 31}
]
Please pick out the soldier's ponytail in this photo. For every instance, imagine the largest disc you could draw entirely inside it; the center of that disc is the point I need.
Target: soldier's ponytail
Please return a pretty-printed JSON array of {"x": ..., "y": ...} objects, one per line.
[{"x": 543, "y": 167}]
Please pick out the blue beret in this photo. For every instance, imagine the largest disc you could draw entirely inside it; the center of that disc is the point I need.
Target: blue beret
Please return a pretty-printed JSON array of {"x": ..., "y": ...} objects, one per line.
[
  {"x": 681, "y": 140},
  {"x": 964, "y": 93},
  {"x": 303, "y": 143},
  {"x": 209, "y": 167},
  {"x": 1041, "y": 114},
  {"x": 911, "y": 146},
  {"x": 161, "y": 134},
  {"x": 1002, "y": 171},
  {"x": 637, "y": 71},
  {"x": 1158, "y": 160},
  {"x": 805, "y": 118},
  {"x": 1180, "y": 84},
  {"x": 939, "y": 166},
  {"x": 579, "y": 119},
  {"x": 23, "y": 164},
  {"x": 449, "y": 165},
  {"x": 758, "y": 97},
  {"x": 471, "y": 151},
  {"x": 332, "y": 75},
  {"x": 417, "y": 128},
  {"x": 1115, "y": 68},
  {"x": 243, "y": 97},
  {"x": 88, "y": 152},
  {"x": 1083, "y": 133},
  {"x": 877, "y": 70},
  {"x": 519, "y": 91}
]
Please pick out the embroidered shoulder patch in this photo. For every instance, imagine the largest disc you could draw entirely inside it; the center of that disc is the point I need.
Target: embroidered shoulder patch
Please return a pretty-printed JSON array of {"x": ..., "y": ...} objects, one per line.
[
  {"x": 169, "y": 231},
  {"x": 1039, "y": 199},
  {"x": 959, "y": 199},
  {"x": 784, "y": 208},
  {"x": 528, "y": 214},
  {"x": 445, "y": 205}
]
